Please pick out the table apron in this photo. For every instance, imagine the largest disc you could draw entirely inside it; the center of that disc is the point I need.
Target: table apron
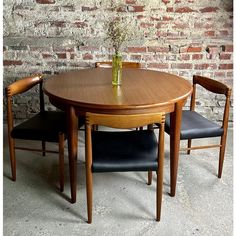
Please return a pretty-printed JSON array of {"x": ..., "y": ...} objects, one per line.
[{"x": 81, "y": 110}]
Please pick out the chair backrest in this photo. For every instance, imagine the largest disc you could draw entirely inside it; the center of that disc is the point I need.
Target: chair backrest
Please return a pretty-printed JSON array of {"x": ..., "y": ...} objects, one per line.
[
  {"x": 20, "y": 87},
  {"x": 214, "y": 87},
  {"x": 124, "y": 121},
  {"x": 108, "y": 64}
]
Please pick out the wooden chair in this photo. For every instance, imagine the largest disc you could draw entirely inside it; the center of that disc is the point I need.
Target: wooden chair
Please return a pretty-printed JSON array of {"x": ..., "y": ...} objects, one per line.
[
  {"x": 108, "y": 64},
  {"x": 124, "y": 151},
  {"x": 45, "y": 126},
  {"x": 196, "y": 126}
]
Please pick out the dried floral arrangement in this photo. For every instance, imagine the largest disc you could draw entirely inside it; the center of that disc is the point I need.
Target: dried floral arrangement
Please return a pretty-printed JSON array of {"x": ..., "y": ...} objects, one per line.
[
  {"x": 122, "y": 29},
  {"x": 116, "y": 25}
]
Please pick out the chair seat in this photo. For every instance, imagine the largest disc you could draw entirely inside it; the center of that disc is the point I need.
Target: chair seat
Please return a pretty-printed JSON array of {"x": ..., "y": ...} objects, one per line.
[
  {"x": 43, "y": 126},
  {"x": 124, "y": 151},
  {"x": 195, "y": 126}
]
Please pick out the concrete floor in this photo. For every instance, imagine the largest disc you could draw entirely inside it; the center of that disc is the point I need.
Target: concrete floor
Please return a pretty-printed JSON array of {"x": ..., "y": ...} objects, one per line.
[{"x": 123, "y": 203}]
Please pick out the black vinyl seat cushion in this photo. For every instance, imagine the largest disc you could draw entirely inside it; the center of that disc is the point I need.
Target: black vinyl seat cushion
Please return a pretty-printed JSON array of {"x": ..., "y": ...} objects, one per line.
[
  {"x": 43, "y": 126},
  {"x": 124, "y": 151},
  {"x": 195, "y": 126}
]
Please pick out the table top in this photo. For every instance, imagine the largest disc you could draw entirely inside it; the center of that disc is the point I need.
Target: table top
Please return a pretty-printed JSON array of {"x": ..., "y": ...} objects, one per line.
[{"x": 140, "y": 89}]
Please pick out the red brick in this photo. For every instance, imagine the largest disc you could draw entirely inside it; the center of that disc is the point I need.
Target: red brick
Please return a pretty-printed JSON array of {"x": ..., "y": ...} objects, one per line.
[
  {"x": 162, "y": 24},
  {"x": 136, "y": 49},
  {"x": 194, "y": 49},
  {"x": 140, "y": 17},
  {"x": 184, "y": 10},
  {"x": 224, "y": 56},
  {"x": 89, "y": 8},
  {"x": 158, "y": 65},
  {"x": 205, "y": 66},
  {"x": 220, "y": 74},
  {"x": 167, "y": 18},
  {"x": 146, "y": 25},
  {"x": 130, "y": 1},
  {"x": 197, "y": 56},
  {"x": 61, "y": 55},
  {"x": 227, "y": 48},
  {"x": 155, "y": 18},
  {"x": 182, "y": 66},
  {"x": 209, "y": 33},
  {"x": 12, "y": 63},
  {"x": 223, "y": 33},
  {"x": 47, "y": 55},
  {"x": 169, "y": 9},
  {"x": 209, "y": 9},
  {"x": 136, "y": 9},
  {"x": 180, "y": 25},
  {"x": 122, "y": 9},
  {"x": 58, "y": 23},
  {"x": 185, "y": 57},
  {"x": 206, "y": 25},
  {"x": 226, "y": 66},
  {"x": 45, "y": 1},
  {"x": 158, "y": 49},
  {"x": 166, "y": 1},
  {"x": 87, "y": 56},
  {"x": 80, "y": 24}
]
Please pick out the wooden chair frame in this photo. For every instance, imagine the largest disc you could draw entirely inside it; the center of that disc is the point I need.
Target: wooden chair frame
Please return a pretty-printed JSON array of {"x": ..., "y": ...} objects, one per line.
[
  {"x": 218, "y": 88},
  {"x": 124, "y": 122},
  {"x": 19, "y": 87}
]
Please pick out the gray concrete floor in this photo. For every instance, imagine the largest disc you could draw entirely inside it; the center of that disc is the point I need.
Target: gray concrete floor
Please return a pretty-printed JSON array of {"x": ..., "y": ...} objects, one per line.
[{"x": 123, "y": 203}]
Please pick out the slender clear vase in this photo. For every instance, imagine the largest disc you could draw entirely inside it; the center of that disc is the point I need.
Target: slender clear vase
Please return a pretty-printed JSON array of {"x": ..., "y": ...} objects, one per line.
[{"x": 116, "y": 69}]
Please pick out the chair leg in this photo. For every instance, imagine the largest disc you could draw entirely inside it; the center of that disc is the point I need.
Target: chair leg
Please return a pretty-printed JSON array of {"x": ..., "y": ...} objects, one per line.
[
  {"x": 61, "y": 160},
  {"x": 159, "y": 183},
  {"x": 89, "y": 189},
  {"x": 43, "y": 148},
  {"x": 12, "y": 158},
  {"x": 149, "y": 177},
  {"x": 221, "y": 155},
  {"x": 189, "y": 145},
  {"x": 159, "y": 187}
]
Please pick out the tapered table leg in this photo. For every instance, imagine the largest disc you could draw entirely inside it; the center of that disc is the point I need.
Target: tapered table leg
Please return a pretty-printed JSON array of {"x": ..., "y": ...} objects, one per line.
[
  {"x": 175, "y": 122},
  {"x": 72, "y": 127}
]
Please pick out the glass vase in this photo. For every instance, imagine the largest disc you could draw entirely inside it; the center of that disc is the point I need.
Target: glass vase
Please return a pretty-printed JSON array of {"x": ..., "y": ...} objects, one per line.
[{"x": 116, "y": 70}]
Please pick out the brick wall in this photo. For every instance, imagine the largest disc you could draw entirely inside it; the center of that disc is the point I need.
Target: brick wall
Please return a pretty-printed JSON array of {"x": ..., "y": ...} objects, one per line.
[{"x": 49, "y": 36}]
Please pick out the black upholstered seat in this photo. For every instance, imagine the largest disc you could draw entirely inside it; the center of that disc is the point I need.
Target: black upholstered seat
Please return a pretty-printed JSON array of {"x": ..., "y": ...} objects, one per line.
[
  {"x": 195, "y": 126},
  {"x": 124, "y": 151},
  {"x": 43, "y": 126}
]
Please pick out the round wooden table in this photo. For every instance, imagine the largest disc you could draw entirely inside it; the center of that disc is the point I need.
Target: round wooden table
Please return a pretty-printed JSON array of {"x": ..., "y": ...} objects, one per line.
[{"x": 142, "y": 91}]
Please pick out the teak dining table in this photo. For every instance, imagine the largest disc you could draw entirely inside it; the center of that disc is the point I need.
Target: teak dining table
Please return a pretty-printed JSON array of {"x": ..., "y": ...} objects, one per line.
[{"x": 142, "y": 91}]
